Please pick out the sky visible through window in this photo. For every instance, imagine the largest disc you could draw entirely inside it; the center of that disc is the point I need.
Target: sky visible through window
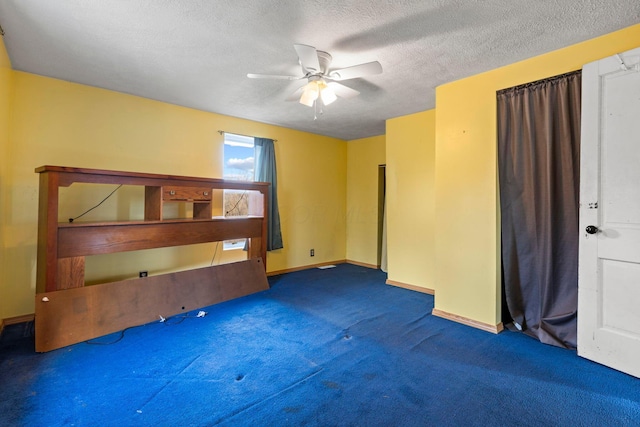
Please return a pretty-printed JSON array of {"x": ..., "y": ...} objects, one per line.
[
  {"x": 238, "y": 165},
  {"x": 238, "y": 157}
]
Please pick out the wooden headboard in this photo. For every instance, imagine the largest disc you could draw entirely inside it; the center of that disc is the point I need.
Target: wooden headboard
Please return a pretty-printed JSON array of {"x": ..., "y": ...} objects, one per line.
[{"x": 68, "y": 312}]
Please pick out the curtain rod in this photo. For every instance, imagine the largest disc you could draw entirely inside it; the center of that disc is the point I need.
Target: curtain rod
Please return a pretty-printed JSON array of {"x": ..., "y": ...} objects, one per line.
[
  {"x": 551, "y": 79},
  {"x": 222, "y": 132}
]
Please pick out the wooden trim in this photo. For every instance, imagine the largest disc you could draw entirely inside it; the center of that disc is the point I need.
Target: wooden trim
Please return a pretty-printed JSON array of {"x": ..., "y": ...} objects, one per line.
[
  {"x": 411, "y": 287},
  {"x": 304, "y": 267},
  {"x": 363, "y": 264},
  {"x": 18, "y": 319},
  {"x": 15, "y": 320},
  {"x": 494, "y": 329}
]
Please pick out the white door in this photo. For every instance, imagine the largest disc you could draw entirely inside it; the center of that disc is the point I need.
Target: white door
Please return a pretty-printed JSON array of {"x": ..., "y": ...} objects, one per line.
[{"x": 609, "y": 261}]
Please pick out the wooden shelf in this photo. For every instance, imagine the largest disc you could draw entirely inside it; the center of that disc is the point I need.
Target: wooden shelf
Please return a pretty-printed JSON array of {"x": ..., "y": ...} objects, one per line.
[
  {"x": 107, "y": 238},
  {"x": 86, "y": 224}
]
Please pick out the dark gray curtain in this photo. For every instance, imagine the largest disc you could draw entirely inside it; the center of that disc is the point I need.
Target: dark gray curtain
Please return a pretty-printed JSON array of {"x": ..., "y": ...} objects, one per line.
[
  {"x": 539, "y": 172},
  {"x": 265, "y": 171}
]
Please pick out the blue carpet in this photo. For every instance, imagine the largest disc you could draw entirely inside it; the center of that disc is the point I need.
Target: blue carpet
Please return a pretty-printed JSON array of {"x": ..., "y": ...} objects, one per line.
[{"x": 332, "y": 347}]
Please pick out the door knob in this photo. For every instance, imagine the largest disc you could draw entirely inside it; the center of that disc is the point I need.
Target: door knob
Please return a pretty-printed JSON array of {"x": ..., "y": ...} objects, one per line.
[{"x": 591, "y": 229}]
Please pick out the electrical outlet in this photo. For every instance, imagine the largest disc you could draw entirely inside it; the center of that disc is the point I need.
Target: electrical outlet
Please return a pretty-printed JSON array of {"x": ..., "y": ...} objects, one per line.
[
  {"x": 143, "y": 273},
  {"x": 312, "y": 252}
]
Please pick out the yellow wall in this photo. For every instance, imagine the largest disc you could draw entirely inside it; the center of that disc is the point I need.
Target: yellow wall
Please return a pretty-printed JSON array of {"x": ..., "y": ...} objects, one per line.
[
  {"x": 61, "y": 123},
  {"x": 312, "y": 193},
  {"x": 410, "y": 199},
  {"x": 466, "y": 196},
  {"x": 5, "y": 94},
  {"x": 47, "y": 121},
  {"x": 364, "y": 157}
]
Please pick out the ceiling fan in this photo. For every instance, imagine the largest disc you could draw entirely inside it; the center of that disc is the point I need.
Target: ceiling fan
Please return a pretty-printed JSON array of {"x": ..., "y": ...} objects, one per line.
[{"x": 322, "y": 83}]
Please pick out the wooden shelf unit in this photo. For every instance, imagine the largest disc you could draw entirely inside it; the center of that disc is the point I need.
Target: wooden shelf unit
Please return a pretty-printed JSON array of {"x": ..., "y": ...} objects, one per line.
[{"x": 62, "y": 248}]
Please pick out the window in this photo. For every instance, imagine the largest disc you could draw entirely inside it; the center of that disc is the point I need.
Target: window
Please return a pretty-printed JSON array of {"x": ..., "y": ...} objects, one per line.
[
  {"x": 238, "y": 157},
  {"x": 238, "y": 165}
]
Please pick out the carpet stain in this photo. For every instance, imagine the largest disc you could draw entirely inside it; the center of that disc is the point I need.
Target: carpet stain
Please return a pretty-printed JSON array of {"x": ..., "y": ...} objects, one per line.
[
  {"x": 293, "y": 409},
  {"x": 331, "y": 384},
  {"x": 412, "y": 395}
]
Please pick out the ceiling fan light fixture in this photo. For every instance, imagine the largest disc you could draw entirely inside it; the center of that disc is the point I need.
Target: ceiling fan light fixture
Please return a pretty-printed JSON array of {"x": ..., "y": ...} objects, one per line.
[
  {"x": 315, "y": 68},
  {"x": 310, "y": 94},
  {"x": 328, "y": 95}
]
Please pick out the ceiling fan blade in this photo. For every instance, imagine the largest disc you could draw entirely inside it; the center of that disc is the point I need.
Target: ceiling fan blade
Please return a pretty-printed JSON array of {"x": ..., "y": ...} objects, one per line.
[
  {"x": 356, "y": 71},
  {"x": 272, "y": 76},
  {"x": 342, "y": 91},
  {"x": 308, "y": 58}
]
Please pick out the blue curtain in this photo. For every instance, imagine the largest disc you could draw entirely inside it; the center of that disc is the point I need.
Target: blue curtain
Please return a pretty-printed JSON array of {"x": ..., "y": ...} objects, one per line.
[{"x": 265, "y": 171}]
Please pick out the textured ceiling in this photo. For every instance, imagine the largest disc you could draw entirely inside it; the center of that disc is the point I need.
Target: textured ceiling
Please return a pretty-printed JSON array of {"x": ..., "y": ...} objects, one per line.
[{"x": 196, "y": 53}]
